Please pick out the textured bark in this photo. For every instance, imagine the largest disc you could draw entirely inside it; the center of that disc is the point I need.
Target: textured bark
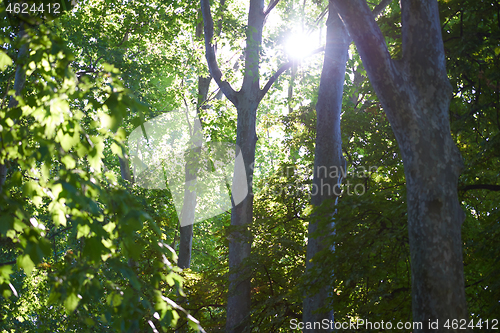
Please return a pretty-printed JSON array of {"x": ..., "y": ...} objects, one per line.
[
  {"x": 415, "y": 94},
  {"x": 19, "y": 82},
  {"x": 328, "y": 152}
]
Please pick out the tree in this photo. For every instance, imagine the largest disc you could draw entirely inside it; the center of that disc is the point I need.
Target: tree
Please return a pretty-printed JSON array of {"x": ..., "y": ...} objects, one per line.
[
  {"x": 189, "y": 204},
  {"x": 95, "y": 244},
  {"x": 329, "y": 164},
  {"x": 415, "y": 94},
  {"x": 246, "y": 101}
]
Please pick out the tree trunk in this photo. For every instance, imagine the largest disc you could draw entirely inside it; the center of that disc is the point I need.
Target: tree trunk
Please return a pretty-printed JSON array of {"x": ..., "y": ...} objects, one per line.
[
  {"x": 329, "y": 163},
  {"x": 189, "y": 204},
  {"x": 238, "y": 302},
  {"x": 415, "y": 94},
  {"x": 125, "y": 169},
  {"x": 246, "y": 102},
  {"x": 19, "y": 82}
]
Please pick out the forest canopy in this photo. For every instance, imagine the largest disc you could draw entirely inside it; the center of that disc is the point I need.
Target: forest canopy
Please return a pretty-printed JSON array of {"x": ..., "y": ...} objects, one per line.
[{"x": 122, "y": 122}]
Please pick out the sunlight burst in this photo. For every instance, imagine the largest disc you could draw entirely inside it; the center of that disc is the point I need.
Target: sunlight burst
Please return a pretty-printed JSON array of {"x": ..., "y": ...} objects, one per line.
[{"x": 299, "y": 45}]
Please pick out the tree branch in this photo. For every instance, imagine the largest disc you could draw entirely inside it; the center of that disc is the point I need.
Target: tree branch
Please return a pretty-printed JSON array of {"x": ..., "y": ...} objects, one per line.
[
  {"x": 273, "y": 78},
  {"x": 270, "y": 7},
  {"x": 281, "y": 70},
  {"x": 360, "y": 22},
  {"x": 213, "y": 67},
  {"x": 270, "y": 281},
  {"x": 371, "y": 45},
  {"x": 13, "y": 262},
  {"x": 480, "y": 187},
  {"x": 96, "y": 61},
  {"x": 380, "y": 7}
]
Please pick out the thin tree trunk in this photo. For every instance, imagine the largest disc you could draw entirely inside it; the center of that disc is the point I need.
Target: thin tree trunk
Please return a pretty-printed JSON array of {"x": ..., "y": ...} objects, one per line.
[
  {"x": 329, "y": 164},
  {"x": 125, "y": 169},
  {"x": 19, "y": 82},
  {"x": 189, "y": 204},
  {"x": 415, "y": 93}
]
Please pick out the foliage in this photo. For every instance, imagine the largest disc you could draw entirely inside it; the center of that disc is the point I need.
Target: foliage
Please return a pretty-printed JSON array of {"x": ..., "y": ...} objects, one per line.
[
  {"x": 83, "y": 242},
  {"x": 83, "y": 250},
  {"x": 469, "y": 29}
]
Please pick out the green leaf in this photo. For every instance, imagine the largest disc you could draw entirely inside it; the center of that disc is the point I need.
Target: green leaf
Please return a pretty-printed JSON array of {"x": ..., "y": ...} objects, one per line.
[
  {"x": 83, "y": 230},
  {"x": 71, "y": 302},
  {"x": 5, "y": 272},
  {"x": 59, "y": 218},
  {"x": 110, "y": 68},
  {"x": 170, "y": 278},
  {"x": 5, "y": 61},
  {"x": 24, "y": 261},
  {"x": 68, "y": 161},
  {"x": 93, "y": 248}
]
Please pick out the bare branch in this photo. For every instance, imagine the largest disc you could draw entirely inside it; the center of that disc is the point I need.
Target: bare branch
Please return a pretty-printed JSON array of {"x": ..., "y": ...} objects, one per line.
[
  {"x": 281, "y": 70},
  {"x": 490, "y": 187},
  {"x": 13, "y": 262},
  {"x": 270, "y": 7},
  {"x": 273, "y": 78},
  {"x": 380, "y": 7},
  {"x": 210, "y": 54}
]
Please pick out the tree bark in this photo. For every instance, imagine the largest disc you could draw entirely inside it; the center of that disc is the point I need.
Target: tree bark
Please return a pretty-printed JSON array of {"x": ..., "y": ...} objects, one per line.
[
  {"x": 19, "y": 82},
  {"x": 415, "y": 94},
  {"x": 329, "y": 163}
]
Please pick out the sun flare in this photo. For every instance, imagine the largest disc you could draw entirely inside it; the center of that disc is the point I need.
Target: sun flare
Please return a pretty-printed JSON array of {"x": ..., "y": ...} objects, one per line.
[{"x": 299, "y": 45}]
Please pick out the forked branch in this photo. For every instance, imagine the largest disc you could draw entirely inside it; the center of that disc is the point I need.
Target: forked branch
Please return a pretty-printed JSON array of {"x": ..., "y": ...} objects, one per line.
[{"x": 213, "y": 67}]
